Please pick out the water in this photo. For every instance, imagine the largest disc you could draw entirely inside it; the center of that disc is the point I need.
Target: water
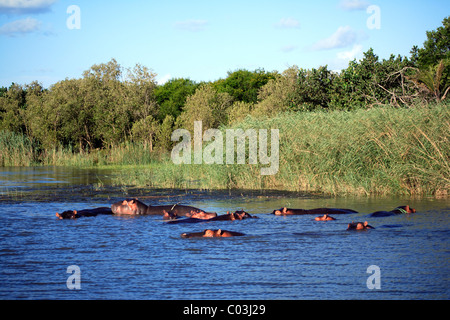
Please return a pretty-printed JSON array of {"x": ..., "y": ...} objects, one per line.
[{"x": 144, "y": 258}]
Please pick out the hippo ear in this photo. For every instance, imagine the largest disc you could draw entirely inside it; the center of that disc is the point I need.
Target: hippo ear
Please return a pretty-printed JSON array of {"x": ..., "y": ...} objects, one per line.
[
  {"x": 284, "y": 210},
  {"x": 75, "y": 212},
  {"x": 132, "y": 201},
  {"x": 365, "y": 223},
  {"x": 124, "y": 202},
  {"x": 58, "y": 215}
]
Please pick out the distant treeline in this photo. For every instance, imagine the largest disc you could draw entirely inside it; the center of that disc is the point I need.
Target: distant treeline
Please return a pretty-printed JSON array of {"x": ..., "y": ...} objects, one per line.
[{"x": 110, "y": 105}]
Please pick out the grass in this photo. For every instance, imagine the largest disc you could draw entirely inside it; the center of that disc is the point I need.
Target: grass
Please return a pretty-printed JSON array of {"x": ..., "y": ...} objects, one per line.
[
  {"x": 380, "y": 151},
  {"x": 16, "y": 150}
]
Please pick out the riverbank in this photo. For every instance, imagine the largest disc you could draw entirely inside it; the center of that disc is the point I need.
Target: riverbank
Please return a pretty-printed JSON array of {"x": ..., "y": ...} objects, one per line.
[{"x": 380, "y": 151}]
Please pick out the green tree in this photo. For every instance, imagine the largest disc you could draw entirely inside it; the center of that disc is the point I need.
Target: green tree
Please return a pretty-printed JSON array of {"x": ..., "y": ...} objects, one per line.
[
  {"x": 436, "y": 47},
  {"x": 429, "y": 80},
  {"x": 145, "y": 130},
  {"x": 171, "y": 97},
  {"x": 106, "y": 95},
  {"x": 428, "y": 59},
  {"x": 243, "y": 85},
  {"x": 206, "y": 105},
  {"x": 279, "y": 94},
  {"x": 12, "y": 108},
  {"x": 314, "y": 88},
  {"x": 163, "y": 138}
]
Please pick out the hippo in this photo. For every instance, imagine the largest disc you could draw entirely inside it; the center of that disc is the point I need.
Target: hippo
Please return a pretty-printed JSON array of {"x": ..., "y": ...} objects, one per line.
[
  {"x": 135, "y": 207},
  {"x": 212, "y": 234},
  {"x": 287, "y": 212},
  {"x": 399, "y": 210},
  {"x": 325, "y": 217},
  {"x": 170, "y": 215},
  {"x": 74, "y": 214},
  {"x": 237, "y": 215},
  {"x": 359, "y": 226}
]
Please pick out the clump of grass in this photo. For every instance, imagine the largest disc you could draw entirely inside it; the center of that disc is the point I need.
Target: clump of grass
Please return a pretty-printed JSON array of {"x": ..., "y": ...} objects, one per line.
[
  {"x": 16, "y": 149},
  {"x": 383, "y": 150}
]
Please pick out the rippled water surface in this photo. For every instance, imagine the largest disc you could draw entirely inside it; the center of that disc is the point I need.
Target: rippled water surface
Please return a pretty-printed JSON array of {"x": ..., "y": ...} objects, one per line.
[{"x": 145, "y": 258}]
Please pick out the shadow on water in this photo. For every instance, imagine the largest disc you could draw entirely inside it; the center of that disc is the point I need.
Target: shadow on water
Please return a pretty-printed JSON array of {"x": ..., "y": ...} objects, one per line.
[{"x": 61, "y": 184}]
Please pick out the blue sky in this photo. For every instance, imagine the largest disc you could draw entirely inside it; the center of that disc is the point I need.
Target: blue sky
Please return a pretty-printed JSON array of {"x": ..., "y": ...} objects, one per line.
[{"x": 203, "y": 40}]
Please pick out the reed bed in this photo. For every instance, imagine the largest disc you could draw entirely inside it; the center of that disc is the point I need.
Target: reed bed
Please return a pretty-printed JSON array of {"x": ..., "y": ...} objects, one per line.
[{"x": 379, "y": 151}]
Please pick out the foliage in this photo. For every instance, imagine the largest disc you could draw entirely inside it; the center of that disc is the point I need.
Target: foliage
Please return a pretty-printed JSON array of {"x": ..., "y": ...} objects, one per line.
[
  {"x": 171, "y": 96},
  {"x": 111, "y": 106},
  {"x": 244, "y": 85},
  {"x": 206, "y": 105}
]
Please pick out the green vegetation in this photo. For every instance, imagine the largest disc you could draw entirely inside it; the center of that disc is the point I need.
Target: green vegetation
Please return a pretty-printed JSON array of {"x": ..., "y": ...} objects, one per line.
[
  {"x": 384, "y": 150},
  {"x": 378, "y": 126}
]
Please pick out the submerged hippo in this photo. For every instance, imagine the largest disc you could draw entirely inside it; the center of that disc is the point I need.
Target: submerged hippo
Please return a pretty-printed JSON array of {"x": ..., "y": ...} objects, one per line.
[
  {"x": 325, "y": 217},
  {"x": 237, "y": 215},
  {"x": 289, "y": 212},
  {"x": 399, "y": 210},
  {"x": 212, "y": 234},
  {"x": 74, "y": 214},
  {"x": 135, "y": 207},
  {"x": 358, "y": 226}
]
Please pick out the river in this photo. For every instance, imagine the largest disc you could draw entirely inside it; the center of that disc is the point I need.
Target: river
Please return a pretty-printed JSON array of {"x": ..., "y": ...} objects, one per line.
[{"x": 279, "y": 257}]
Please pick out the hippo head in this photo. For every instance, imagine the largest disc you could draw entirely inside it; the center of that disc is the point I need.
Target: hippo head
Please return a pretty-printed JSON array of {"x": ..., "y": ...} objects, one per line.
[
  {"x": 407, "y": 209},
  {"x": 70, "y": 214},
  {"x": 169, "y": 215},
  {"x": 198, "y": 214},
  {"x": 212, "y": 233},
  {"x": 280, "y": 212},
  {"x": 132, "y": 206},
  {"x": 241, "y": 214}
]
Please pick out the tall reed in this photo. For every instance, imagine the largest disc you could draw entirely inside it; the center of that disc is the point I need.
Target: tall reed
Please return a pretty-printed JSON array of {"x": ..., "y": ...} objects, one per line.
[
  {"x": 16, "y": 149},
  {"x": 384, "y": 150}
]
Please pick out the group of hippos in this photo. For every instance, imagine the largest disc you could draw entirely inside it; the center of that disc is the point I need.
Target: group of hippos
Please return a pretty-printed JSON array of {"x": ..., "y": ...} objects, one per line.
[{"x": 174, "y": 214}]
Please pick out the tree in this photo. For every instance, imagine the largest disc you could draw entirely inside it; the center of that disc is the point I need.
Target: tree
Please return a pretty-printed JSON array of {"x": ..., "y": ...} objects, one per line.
[
  {"x": 12, "y": 107},
  {"x": 163, "y": 138},
  {"x": 435, "y": 49},
  {"x": 314, "y": 88},
  {"x": 106, "y": 95},
  {"x": 171, "y": 97},
  {"x": 206, "y": 105},
  {"x": 429, "y": 80},
  {"x": 140, "y": 92},
  {"x": 279, "y": 94},
  {"x": 243, "y": 85},
  {"x": 145, "y": 131}
]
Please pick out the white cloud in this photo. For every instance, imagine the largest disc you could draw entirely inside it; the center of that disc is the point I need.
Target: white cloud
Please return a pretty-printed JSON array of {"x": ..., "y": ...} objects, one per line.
[
  {"x": 344, "y": 57},
  {"x": 352, "y": 5},
  {"x": 20, "y": 27},
  {"x": 343, "y": 37},
  {"x": 192, "y": 25},
  {"x": 164, "y": 79},
  {"x": 288, "y": 23},
  {"x": 352, "y": 54},
  {"x": 25, "y": 6}
]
